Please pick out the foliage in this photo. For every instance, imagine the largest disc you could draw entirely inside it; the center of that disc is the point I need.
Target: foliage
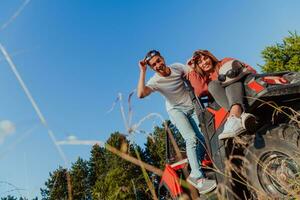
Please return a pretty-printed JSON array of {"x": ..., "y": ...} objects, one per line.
[
  {"x": 79, "y": 179},
  {"x": 120, "y": 179},
  {"x": 56, "y": 185},
  {"x": 97, "y": 164},
  {"x": 9, "y": 197},
  {"x": 156, "y": 145},
  {"x": 104, "y": 176},
  {"x": 156, "y": 148},
  {"x": 283, "y": 56}
]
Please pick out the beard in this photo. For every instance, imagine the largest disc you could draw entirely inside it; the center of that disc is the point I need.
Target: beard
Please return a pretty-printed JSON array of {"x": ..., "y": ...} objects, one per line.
[
  {"x": 163, "y": 70},
  {"x": 161, "y": 67}
]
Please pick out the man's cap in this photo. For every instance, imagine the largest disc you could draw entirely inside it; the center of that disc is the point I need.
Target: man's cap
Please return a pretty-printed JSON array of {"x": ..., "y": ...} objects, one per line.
[{"x": 151, "y": 54}]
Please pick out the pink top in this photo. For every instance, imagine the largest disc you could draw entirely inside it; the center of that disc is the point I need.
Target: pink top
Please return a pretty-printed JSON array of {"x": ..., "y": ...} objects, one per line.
[{"x": 200, "y": 83}]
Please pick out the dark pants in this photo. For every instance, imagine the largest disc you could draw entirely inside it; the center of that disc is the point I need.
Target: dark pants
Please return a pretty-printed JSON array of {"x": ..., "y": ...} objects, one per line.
[{"x": 227, "y": 96}]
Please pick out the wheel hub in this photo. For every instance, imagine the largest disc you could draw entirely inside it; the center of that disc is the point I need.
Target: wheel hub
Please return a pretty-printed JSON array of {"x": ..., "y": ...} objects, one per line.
[{"x": 277, "y": 173}]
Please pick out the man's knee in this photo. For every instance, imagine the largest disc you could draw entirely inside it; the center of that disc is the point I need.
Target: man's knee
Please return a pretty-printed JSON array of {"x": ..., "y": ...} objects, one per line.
[{"x": 191, "y": 141}]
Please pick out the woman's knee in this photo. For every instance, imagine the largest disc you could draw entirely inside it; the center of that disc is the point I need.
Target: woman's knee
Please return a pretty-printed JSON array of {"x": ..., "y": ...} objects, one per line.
[{"x": 214, "y": 86}]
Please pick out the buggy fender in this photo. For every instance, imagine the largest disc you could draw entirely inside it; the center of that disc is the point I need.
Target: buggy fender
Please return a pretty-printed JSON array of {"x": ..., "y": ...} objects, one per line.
[{"x": 171, "y": 181}]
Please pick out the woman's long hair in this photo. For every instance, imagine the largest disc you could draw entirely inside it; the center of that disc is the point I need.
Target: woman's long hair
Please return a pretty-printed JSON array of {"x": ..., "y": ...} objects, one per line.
[{"x": 208, "y": 54}]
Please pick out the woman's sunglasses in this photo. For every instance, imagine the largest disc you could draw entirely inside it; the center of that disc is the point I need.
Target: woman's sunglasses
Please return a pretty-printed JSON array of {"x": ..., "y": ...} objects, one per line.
[
  {"x": 197, "y": 59},
  {"x": 232, "y": 73}
]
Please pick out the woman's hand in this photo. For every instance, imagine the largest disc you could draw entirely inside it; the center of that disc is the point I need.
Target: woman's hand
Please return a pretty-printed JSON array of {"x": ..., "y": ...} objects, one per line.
[{"x": 190, "y": 62}]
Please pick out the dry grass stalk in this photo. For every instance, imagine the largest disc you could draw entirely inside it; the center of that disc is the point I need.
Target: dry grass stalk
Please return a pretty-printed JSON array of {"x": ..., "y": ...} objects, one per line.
[
  {"x": 146, "y": 177},
  {"x": 133, "y": 160}
]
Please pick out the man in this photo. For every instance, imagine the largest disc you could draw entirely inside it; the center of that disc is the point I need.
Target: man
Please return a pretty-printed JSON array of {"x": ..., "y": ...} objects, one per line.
[{"x": 167, "y": 80}]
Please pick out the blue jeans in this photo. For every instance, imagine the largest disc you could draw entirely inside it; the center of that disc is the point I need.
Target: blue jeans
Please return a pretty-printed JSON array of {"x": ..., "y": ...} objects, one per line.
[{"x": 186, "y": 122}]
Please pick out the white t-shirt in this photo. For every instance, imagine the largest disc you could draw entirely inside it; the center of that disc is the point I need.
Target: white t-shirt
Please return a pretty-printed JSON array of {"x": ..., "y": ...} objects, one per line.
[{"x": 172, "y": 87}]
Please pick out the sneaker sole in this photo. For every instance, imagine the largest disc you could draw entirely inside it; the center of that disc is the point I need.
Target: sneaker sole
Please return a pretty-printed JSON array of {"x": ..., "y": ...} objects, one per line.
[
  {"x": 205, "y": 191},
  {"x": 229, "y": 136},
  {"x": 209, "y": 189}
]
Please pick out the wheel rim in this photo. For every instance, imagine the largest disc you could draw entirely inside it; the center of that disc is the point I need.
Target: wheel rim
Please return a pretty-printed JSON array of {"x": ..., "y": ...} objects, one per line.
[{"x": 278, "y": 173}]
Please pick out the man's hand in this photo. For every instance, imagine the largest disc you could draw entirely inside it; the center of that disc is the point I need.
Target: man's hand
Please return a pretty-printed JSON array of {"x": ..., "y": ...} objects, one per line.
[
  {"x": 143, "y": 65},
  {"x": 142, "y": 89}
]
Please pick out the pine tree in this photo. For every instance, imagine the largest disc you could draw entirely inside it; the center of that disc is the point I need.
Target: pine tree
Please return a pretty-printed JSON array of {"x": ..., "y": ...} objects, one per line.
[
  {"x": 97, "y": 164},
  {"x": 104, "y": 176},
  {"x": 79, "y": 180},
  {"x": 156, "y": 145},
  {"x": 123, "y": 180},
  {"x": 9, "y": 197},
  {"x": 56, "y": 185}
]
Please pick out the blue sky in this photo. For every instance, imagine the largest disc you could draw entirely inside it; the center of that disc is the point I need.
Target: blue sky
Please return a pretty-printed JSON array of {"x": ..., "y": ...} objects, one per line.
[{"x": 76, "y": 56}]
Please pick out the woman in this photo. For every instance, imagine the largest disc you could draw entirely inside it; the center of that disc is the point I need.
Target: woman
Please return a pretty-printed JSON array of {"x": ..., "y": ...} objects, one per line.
[{"x": 223, "y": 79}]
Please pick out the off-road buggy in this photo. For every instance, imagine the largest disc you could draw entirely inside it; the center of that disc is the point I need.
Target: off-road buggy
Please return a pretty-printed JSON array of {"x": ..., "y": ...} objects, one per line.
[{"x": 264, "y": 161}]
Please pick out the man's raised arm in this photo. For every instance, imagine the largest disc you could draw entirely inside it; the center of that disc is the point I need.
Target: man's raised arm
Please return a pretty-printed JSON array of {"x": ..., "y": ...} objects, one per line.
[{"x": 142, "y": 89}]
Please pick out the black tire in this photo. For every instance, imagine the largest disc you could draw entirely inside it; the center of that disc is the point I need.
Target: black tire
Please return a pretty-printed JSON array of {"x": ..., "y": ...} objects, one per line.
[{"x": 274, "y": 163}]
